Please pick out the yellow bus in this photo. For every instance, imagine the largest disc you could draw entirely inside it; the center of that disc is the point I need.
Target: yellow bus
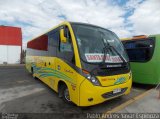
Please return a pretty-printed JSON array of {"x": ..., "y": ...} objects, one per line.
[{"x": 85, "y": 64}]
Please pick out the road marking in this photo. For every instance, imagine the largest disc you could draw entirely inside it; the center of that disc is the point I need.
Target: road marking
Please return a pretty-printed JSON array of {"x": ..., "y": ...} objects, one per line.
[
  {"x": 123, "y": 105},
  {"x": 17, "y": 92},
  {"x": 2, "y": 106},
  {"x": 22, "y": 81}
]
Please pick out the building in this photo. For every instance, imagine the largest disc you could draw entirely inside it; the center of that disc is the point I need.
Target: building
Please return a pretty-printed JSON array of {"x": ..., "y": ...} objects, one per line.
[{"x": 10, "y": 45}]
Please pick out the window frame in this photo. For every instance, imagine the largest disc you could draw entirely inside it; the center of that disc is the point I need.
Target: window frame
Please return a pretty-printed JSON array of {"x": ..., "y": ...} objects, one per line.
[
  {"x": 61, "y": 54},
  {"x": 59, "y": 44}
]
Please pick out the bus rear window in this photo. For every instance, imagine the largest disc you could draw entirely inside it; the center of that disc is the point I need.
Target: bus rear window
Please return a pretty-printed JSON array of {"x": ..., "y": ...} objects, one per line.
[{"x": 139, "y": 50}]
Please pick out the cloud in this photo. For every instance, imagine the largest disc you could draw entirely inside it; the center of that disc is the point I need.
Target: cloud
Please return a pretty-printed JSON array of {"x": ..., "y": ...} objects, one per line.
[
  {"x": 38, "y": 16},
  {"x": 146, "y": 18},
  {"x": 133, "y": 4},
  {"x": 134, "y": 17}
]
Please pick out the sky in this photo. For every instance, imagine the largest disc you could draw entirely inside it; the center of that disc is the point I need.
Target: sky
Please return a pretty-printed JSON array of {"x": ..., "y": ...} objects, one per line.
[{"x": 126, "y": 18}]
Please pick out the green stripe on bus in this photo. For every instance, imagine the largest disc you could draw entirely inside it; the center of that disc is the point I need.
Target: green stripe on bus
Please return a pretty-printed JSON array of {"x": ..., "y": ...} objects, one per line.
[
  {"x": 54, "y": 71},
  {"x": 43, "y": 73}
]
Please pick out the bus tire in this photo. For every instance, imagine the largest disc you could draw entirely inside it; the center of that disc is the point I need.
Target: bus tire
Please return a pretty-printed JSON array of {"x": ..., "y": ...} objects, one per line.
[
  {"x": 32, "y": 73},
  {"x": 65, "y": 94}
]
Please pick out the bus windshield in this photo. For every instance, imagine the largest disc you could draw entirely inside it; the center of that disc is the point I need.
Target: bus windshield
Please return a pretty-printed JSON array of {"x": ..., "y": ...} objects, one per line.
[
  {"x": 94, "y": 43},
  {"x": 140, "y": 50}
]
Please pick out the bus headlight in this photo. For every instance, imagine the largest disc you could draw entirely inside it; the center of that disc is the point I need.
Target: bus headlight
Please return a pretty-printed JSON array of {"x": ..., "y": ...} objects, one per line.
[{"x": 93, "y": 80}]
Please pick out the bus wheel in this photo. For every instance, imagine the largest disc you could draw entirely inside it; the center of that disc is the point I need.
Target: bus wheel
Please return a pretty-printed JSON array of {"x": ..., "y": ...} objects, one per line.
[
  {"x": 32, "y": 72},
  {"x": 65, "y": 94}
]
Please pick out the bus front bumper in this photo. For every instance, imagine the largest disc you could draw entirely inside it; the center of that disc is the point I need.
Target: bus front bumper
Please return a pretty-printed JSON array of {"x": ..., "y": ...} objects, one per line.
[{"x": 92, "y": 95}]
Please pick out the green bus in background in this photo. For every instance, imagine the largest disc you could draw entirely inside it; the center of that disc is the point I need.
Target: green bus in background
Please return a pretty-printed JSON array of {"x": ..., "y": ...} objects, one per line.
[{"x": 144, "y": 56}]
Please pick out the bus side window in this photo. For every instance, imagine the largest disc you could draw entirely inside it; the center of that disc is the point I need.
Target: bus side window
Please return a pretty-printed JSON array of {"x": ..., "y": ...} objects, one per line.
[
  {"x": 67, "y": 48},
  {"x": 53, "y": 38}
]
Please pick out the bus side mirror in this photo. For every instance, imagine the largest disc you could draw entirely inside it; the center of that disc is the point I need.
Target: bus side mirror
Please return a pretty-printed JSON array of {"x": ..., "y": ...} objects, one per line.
[{"x": 62, "y": 36}]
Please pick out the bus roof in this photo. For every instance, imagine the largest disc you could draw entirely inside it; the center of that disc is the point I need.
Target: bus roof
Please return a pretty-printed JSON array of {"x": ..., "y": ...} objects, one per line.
[
  {"x": 135, "y": 37},
  {"x": 154, "y": 35},
  {"x": 139, "y": 37},
  {"x": 66, "y": 22}
]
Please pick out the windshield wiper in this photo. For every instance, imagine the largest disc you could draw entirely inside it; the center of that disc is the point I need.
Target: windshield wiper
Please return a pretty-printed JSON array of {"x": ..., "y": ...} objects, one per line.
[{"x": 108, "y": 46}]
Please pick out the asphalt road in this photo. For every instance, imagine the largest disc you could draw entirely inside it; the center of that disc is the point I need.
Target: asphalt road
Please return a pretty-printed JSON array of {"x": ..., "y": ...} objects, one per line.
[{"x": 20, "y": 93}]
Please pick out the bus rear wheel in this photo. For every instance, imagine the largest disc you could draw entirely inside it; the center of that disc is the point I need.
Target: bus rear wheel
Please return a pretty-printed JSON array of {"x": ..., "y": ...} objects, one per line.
[{"x": 32, "y": 72}]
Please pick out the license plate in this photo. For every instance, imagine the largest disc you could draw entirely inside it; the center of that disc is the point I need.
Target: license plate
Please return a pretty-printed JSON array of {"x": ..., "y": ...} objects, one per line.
[{"x": 117, "y": 90}]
